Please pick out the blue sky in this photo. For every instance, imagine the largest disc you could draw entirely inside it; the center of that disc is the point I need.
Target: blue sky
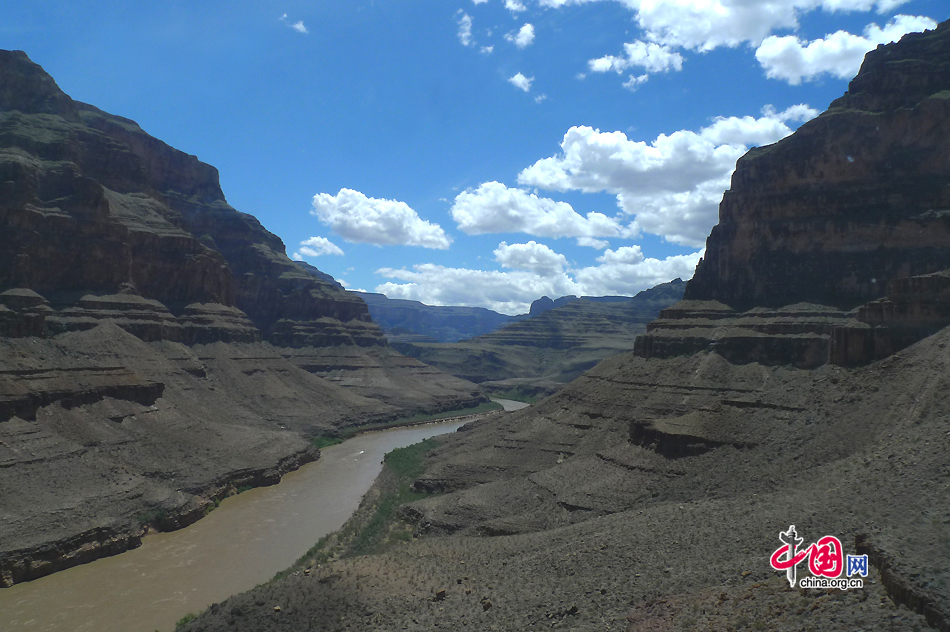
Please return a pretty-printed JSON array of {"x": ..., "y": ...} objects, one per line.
[{"x": 470, "y": 153}]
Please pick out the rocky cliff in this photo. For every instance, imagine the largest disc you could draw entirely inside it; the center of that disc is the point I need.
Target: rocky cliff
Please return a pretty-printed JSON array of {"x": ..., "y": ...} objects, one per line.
[
  {"x": 91, "y": 204},
  {"x": 853, "y": 199},
  {"x": 830, "y": 216},
  {"x": 158, "y": 348}
]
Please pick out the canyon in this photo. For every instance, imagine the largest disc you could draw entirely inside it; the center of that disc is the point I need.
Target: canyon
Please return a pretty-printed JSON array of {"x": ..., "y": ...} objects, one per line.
[{"x": 803, "y": 381}]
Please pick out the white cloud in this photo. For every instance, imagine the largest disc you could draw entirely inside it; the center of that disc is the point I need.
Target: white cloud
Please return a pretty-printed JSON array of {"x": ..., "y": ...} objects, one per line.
[
  {"x": 495, "y": 208},
  {"x": 479, "y": 1},
  {"x": 465, "y": 28},
  {"x": 672, "y": 184},
  {"x": 624, "y": 255},
  {"x": 318, "y": 246},
  {"x": 703, "y": 25},
  {"x": 511, "y": 292},
  {"x": 540, "y": 98},
  {"x": 626, "y": 272},
  {"x": 633, "y": 82},
  {"x": 532, "y": 257},
  {"x": 590, "y": 242},
  {"x": 521, "y": 82},
  {"x": 515, "y": 6},
  {"x": 297, "y": 26},
  {"x": 523, "y": 38},
  {"x": 358, "y": 218},
  {"x": 839, "y": 54},
  {"x": 487, "y": 50},
  {"x": 650, "y": 56},
  {"x": 296, "y": 257}
]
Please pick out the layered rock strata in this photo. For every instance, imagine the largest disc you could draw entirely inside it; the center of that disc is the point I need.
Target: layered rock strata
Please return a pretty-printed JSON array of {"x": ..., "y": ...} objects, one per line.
[
  {"x": 91, "y": 204},
  {"x": 914, "y": 308},
  {"x": 851, "y": 202}
]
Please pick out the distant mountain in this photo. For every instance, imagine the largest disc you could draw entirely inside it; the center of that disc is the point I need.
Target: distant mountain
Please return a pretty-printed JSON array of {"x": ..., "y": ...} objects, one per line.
[
  {"x": 441, "y": 323},
  {"x": 555, "y": 345}
]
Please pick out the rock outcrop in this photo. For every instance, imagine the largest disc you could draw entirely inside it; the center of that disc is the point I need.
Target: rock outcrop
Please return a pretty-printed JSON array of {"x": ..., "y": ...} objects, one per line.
[
  {"x": 851, "y": 202},
  {"x": 914, "y": 308}
]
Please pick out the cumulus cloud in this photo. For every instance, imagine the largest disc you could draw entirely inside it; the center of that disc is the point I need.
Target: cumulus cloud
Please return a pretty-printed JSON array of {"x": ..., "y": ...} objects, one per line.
[
  {"x": 591, "y": 242},
  {"x": 532, "y": 257},
  {"x": 465, "y": 28},
  {"x": 703, "y": 25},
  {"x": 358, "y": 218},
  {"x": 650, "y": 56},
  {"x": 621, "y": 273},
  {"x": 672, "y": 184},
  {"x": 515, "y": 6},
  {"x": 495, "y": 208},
  {"x": 318, "y": 246},
  {"x": 487, "y": 50},
  {"x": 839, "y": 54},
  {"x": 523, "y": 38},
  {"x": 521, "y": 82},
  {"x": 626, "y": 272}
]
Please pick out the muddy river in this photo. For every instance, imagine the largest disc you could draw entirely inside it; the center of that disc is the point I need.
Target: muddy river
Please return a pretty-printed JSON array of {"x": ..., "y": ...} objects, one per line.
[{"x": 244, "y": 542}]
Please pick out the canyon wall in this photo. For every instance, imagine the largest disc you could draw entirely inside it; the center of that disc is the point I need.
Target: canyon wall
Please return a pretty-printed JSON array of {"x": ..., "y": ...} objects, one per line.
[{"x": 821, "y": 222}]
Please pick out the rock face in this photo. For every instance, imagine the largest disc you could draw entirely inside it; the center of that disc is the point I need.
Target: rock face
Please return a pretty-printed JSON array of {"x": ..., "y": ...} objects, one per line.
[
  {"x": 157, "y": 347},
  {"x": 851, "y": 202},
  {"x": 914, "y": 308},
  {"x": 853, "y": 199},
  {"x": 91, "y": 204}
]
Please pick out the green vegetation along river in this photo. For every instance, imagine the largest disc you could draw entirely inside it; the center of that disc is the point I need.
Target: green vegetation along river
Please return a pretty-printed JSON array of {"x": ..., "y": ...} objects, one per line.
[{"x": 244, "y": 542}]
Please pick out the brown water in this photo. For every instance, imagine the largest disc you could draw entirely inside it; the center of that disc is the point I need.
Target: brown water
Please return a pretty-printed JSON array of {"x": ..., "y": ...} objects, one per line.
[{"x": 244, "y": 542}]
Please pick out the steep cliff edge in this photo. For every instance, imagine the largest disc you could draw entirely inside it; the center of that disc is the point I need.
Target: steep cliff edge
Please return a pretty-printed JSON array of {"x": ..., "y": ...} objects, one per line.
[
  {"x": 828, "y": 217},
  {"x": 853, "y": 199}
]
